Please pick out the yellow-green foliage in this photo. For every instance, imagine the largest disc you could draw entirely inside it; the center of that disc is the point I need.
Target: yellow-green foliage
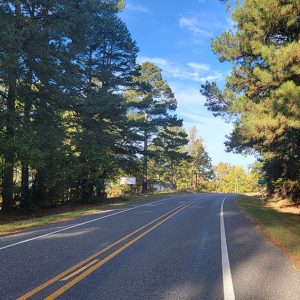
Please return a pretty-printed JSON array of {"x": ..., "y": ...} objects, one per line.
[
  {"x": 118, "y": 190},
  {"x": 233, "y": 179}
]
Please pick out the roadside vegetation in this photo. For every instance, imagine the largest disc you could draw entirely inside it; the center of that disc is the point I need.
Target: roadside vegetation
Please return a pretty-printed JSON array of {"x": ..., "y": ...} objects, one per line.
[
  {"x": 278, "y": 219},
  {"x": 234, "y": 179},
  {"x": 77, "y": 112},
  {"x": 18, "y": 222},
  {"x": 261, "y": 96}
]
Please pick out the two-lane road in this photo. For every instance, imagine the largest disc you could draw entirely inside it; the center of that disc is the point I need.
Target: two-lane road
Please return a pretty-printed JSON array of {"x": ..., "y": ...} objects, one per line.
[{"x": 193, "y": 246}]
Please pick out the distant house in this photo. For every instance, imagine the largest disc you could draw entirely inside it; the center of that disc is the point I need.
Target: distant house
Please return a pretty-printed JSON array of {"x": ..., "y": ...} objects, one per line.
[
  {"x": 128, "y": 180},
  {"x": 162, "y": 186}
]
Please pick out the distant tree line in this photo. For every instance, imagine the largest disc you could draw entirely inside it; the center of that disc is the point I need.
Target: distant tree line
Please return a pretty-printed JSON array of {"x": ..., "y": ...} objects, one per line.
[
  {"x": 262, "y": 94},
  {"x": 181, "y": 159},
  {"x": 234, "y": 179}
]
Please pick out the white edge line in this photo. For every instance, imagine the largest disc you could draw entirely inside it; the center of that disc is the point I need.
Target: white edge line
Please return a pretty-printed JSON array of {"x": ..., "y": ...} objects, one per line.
[
  {"x": 227, "y": 278},
  {"x": 87, "y": 222}
]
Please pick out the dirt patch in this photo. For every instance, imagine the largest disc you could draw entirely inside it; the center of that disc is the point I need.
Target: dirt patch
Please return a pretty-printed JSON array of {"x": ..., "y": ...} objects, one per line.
[{"x": 285, "y": 206}]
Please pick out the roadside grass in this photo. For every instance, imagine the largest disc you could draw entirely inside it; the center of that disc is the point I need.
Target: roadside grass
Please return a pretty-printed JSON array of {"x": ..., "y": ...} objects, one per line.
[
  {"x": 282, "y": 228},
  {"x": 17, "y": 223}
]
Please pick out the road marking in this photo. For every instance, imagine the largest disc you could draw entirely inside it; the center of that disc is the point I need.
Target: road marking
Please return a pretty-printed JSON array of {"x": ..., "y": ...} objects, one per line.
[
  {"x": 227, "y": 279},
  {"x": 79, "y": 270},
  {"x": 80, "y": 224},
  {"x": 83, "y": 275},
  {"x": 68, "y": 271}
]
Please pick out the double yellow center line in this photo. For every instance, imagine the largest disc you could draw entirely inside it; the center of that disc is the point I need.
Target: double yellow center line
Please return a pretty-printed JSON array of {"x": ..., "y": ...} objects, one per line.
[{"x": 90, "y": 264}]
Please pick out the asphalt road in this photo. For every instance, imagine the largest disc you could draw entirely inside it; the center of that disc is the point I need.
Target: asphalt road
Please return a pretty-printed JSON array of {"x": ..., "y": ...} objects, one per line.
[{"x": 181, "y": 247}]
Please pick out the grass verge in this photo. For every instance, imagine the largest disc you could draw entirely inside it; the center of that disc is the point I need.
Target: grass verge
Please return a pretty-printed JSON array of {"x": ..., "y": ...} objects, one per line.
[
  {"x": 282, "y": 228},
  {"x": 16, "y": 223}
]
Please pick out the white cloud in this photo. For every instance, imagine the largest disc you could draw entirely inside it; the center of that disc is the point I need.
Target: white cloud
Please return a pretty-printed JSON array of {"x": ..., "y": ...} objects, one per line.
[
  {"x": 137, "y": 7},
  {"x": 158, "y": 61},
  {"x": 189, "y": 99},
  {"x": 190, "y": 71},
  {"x": 213, "y": 77},
  {"x": 200, "y": 67},
  {"x": 230, "y": 24},
  {"x": 194, "y": 25},
  {"x": 205, "y": 25}
]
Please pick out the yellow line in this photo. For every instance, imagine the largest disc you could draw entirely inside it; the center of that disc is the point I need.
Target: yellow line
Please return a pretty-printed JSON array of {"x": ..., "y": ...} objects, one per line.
[
  {"x": 65, "y": 273},
  {"x": 79, "y": 270},
  {"x": 77, "y": 279}
]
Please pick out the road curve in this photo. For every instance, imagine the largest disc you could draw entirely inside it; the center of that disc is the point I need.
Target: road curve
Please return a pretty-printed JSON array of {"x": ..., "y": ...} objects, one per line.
[{"x": 193, "y": 246}]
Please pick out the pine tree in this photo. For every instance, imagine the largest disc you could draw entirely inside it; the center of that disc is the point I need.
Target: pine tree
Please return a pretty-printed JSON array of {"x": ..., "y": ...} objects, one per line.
[
  {"x": 11, "y": 41},
  {"x": 167, "y": 152},
  {"x": 262, "y": 94},
  {"x": 151, "y": 103},
  {"x": 62, "y": 64},
  {"x": 106, "y": 63}
]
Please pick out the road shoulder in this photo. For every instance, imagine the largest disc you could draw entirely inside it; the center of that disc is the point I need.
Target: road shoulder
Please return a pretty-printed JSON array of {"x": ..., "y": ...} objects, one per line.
[
  {"x": 281, "y": 226},
  {"x": 259, "y": 269},
  {"x": 17, "y": 224}
]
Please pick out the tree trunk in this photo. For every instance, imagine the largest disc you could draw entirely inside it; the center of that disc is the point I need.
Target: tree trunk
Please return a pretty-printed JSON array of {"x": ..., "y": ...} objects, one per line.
[
  {"x": 8, "y": 174},
  {"x": 145, "y": 165},
  {"x": 86, "y": 191},
  {"x": 172, "y": 174},
  {"x": 9, "y": 155},
  {"x": 25, "y": 194},
  {"x": 39, "y": 189},
  {"x": 101, "y": 195},
  {"x": 86, "y": 185}
]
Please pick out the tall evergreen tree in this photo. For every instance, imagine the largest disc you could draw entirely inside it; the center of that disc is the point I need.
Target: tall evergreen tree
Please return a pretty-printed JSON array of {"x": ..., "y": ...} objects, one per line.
[
  {"x": 262, "y": 94},
  {"x": 151, "y": 103},
  {"x": 167, "y": 152},
  {"x": 11, "y": 41},
  {"x": 61, "y": 66},
  {"x": 106, "y": 64}
]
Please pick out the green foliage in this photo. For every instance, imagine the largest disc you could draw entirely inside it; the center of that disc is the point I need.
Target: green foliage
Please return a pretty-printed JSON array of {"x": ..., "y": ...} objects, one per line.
[
  {"x": 234, "y": 179},
  {"x": 167, "y": 152},
  {"x": 261, "y": 95},
  {"x": 195, "y": 172},
  {"x": 75, "y": 109},
  {"x": 118, "y": 190},
  {"x": 62, "y": 118},
  {"x": 150, "y": 103}
]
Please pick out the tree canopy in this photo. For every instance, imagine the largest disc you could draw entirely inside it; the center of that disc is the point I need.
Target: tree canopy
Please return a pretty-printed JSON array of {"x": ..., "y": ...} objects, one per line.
[
  {"x": 62, "y": 64},
  {"x": 151, "y": 103},
  {"x": 262, "y": 93}
]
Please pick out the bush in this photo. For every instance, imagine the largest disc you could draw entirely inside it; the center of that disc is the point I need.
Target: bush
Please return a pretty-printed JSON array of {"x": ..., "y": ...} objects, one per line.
[
  {"x": 118, "y": 190},
  {"x": 288, "y": 189}
]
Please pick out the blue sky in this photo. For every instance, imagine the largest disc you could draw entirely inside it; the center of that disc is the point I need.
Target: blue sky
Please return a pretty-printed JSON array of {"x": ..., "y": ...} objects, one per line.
[{"x": 176, "y": 36}]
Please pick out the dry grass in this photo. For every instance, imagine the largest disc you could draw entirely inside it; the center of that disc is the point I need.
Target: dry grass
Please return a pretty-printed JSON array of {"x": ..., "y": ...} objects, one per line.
[
  {"x": 284, "y": 206},
  {"x": 16, "y": 223},
  {"x": 280, "y": 223}
]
